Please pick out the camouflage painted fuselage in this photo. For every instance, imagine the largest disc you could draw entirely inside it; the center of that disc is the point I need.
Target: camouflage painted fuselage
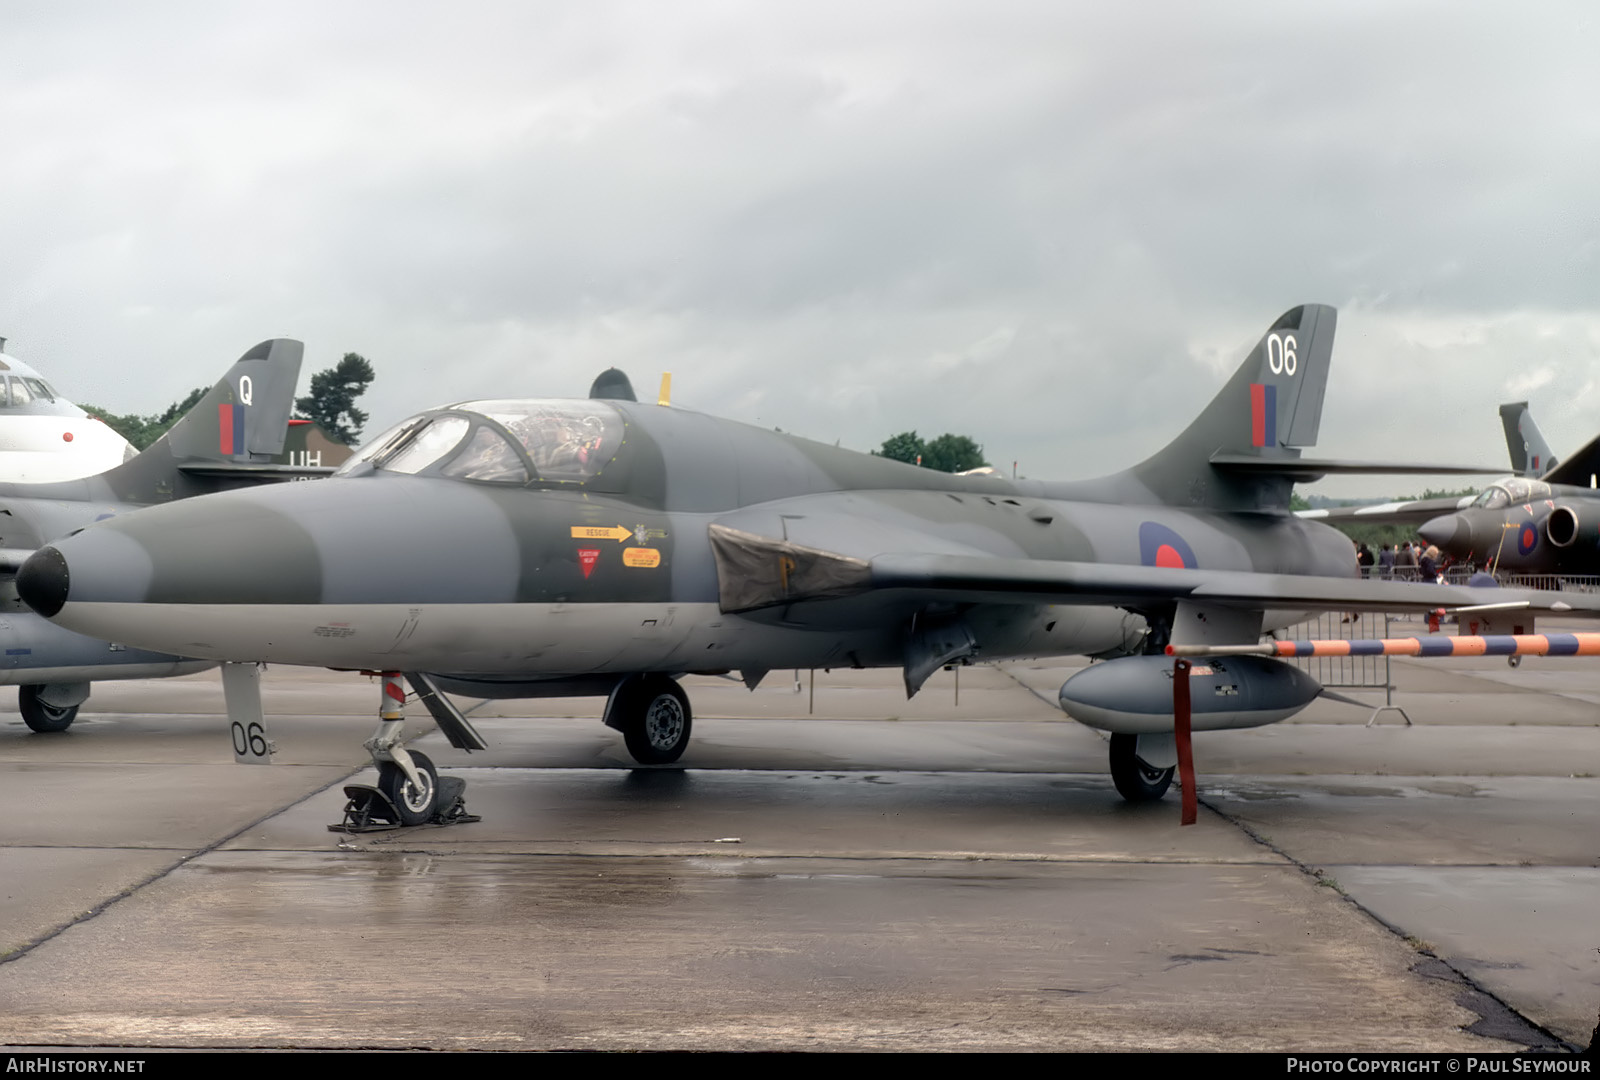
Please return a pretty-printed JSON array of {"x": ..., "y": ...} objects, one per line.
[{"x": 380, "y": 569}]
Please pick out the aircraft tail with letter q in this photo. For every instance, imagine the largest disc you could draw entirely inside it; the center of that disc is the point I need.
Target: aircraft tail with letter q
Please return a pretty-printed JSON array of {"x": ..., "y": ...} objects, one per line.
[{"x": 227, "y": 440}]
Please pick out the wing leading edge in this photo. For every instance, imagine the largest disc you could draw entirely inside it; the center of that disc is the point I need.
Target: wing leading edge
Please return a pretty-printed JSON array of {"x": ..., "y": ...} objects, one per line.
[
  {"x": 756, "y": 572},
  {"x": 968, "y": 579}
]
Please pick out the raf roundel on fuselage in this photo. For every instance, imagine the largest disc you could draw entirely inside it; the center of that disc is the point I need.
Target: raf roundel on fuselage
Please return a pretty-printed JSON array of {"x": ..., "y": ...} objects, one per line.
[
  {"x": 1161, "y": 546},
  {"x": 544, "y": 442}
]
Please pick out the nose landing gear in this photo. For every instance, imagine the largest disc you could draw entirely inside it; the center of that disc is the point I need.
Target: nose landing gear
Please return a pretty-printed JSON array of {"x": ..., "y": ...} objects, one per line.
[{"x": 410, "y": 790}]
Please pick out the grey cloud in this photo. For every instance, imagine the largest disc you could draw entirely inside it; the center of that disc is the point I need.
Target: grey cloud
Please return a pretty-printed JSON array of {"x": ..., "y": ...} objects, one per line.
[{"x": 820, "y": 217}]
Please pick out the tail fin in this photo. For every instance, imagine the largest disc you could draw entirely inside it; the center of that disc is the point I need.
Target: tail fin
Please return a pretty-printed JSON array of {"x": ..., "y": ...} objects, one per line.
[
  {"x": 1242, "y": 452},
  {"x": 230, "y": 436},
  {"x": 1530, "y": 454}
]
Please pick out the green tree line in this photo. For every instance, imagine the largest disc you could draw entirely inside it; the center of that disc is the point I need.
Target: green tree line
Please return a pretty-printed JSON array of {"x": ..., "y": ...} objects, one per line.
[{"x": 947, "y": 453}]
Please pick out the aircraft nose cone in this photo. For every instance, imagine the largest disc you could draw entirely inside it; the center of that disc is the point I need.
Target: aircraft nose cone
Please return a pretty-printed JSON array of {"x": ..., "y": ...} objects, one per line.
[
  {"x": 43, "y": 581},
  {"x": 1442, "y": 531}
]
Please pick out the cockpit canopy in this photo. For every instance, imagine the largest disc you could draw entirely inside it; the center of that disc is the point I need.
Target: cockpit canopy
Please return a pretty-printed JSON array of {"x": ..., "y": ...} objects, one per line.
[
  {"x": 500, "y": 442},
  {"x": 22, "y": 390},
  {"x": 1510, "y": 492}
]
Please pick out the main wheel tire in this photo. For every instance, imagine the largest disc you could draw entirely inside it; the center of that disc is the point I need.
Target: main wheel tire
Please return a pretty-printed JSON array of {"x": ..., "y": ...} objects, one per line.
[
  {"x": 658, "y": 721},
  {"x": 415, "y": 804},
  {"x": 1136, "y": 781},
  {"x": 40, "y": 716}
]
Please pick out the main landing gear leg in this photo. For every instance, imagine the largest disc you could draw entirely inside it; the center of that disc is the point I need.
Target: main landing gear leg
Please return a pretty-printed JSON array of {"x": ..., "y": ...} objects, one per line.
[
  {"x": 410, "y": 790},
  {"x": 1137, "y": 780}
]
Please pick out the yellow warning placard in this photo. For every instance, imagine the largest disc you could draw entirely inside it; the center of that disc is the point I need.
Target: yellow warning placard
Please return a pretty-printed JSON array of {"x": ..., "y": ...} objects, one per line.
[
  {"x": 641, "y": 557},
  {"x": 601, "y": 532}
]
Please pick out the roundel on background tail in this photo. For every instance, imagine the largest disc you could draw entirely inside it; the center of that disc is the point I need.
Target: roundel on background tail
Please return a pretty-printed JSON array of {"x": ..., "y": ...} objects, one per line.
[
  {"x": 1527, "y": 539},
  {"x": 1160, "y": 546}
]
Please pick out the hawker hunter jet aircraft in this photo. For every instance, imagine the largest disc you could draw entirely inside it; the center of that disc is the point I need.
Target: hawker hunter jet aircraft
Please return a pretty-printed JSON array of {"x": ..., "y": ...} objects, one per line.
[
  {"x": 227, "y": 439},
  {"x": 525, "y": 548}
]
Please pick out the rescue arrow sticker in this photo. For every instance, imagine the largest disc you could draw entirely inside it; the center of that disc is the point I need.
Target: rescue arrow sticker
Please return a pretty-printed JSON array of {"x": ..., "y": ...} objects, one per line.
[
  {"x": 587, "y": 557},
  {"x": 602, "y": 532},
  {"x": 641, "y": 557}
]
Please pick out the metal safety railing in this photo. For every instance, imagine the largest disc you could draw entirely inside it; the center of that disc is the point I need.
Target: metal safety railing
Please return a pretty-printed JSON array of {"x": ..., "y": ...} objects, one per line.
[
  {"x": 1367, "y": 673},
  {"x": 1580, "y": 583},
  {"x": 1462, "y": 573}
]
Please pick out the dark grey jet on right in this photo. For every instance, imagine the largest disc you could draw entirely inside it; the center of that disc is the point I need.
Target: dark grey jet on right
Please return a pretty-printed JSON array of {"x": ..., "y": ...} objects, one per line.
[
  {"x": 1531, "y": 459},
  {"x": 600, "y": 545},
  {"x": 1544, "y": 520}
]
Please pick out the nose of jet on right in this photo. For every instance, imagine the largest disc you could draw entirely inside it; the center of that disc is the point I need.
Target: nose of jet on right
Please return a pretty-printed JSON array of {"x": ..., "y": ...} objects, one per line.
[
  {"x": 43, "y": 581},
  {"x": 1444, "y": 531}
]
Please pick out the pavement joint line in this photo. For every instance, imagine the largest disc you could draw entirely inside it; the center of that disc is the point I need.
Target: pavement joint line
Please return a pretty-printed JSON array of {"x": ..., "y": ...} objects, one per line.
[
  {"x": 89, "y": 847},
  {"x": 778, "y": 856},
  {"x": 1405, "y": 939},
  {"x": 1006, "y": 671},
  {"x": 104, "y": 905},
  {"x": 35, "y": 765},
  {"x": 850, "y": 770}
]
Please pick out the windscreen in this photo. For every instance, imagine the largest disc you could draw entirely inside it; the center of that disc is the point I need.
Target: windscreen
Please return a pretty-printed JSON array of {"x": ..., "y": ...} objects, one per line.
[{"x": 567, "y": 441}]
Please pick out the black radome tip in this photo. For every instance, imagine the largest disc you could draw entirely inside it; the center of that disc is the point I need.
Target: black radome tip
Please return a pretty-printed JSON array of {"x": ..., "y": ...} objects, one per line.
[{"x": 43, "y": 581}]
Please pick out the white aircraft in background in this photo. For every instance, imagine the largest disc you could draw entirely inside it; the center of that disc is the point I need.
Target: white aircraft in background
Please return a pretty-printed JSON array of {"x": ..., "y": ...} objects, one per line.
[{"x": 44, "y": 437}]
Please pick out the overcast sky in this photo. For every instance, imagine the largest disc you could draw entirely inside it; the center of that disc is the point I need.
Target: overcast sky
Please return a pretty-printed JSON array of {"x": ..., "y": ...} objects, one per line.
[{"x": 1055, "y": 227}]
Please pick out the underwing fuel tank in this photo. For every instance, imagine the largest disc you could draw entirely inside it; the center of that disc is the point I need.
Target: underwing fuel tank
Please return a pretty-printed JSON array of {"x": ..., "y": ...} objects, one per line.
[{"x": 1133, "y": 695}]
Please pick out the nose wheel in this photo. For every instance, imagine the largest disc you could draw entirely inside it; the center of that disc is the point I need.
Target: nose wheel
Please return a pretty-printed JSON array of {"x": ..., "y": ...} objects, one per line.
[
  {"x": 410, "y": 790},
  {"x": 415, "y": 801}
]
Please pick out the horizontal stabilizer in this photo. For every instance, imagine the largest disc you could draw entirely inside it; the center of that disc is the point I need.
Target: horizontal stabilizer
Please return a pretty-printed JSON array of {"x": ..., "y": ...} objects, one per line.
[
  {"x": 1310, "y": 468},
  {"x": 247, "y": 470}
]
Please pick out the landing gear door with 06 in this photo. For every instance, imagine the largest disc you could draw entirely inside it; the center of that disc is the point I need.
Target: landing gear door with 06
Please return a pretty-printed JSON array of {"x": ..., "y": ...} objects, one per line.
[{"x": 241, "y": 688}]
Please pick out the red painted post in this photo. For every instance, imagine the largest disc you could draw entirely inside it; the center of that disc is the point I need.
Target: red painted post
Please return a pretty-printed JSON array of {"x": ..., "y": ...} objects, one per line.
[{"x": 1180, "y": 730}]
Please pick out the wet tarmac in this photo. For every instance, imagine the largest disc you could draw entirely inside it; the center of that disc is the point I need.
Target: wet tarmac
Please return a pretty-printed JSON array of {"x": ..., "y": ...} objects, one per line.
[{"x": 829, "y": 868}]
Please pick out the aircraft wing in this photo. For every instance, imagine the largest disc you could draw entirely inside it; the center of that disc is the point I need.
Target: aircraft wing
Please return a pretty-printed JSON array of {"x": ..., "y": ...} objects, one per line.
[
  {"x": 1414, "y": 512},
  {"x": 757, "y": 572},
  {"x": 970, "y": 579}
]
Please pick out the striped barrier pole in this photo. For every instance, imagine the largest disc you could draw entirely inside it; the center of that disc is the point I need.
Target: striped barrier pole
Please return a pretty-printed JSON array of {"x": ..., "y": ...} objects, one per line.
[{"x": 1587, "y": 644}]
